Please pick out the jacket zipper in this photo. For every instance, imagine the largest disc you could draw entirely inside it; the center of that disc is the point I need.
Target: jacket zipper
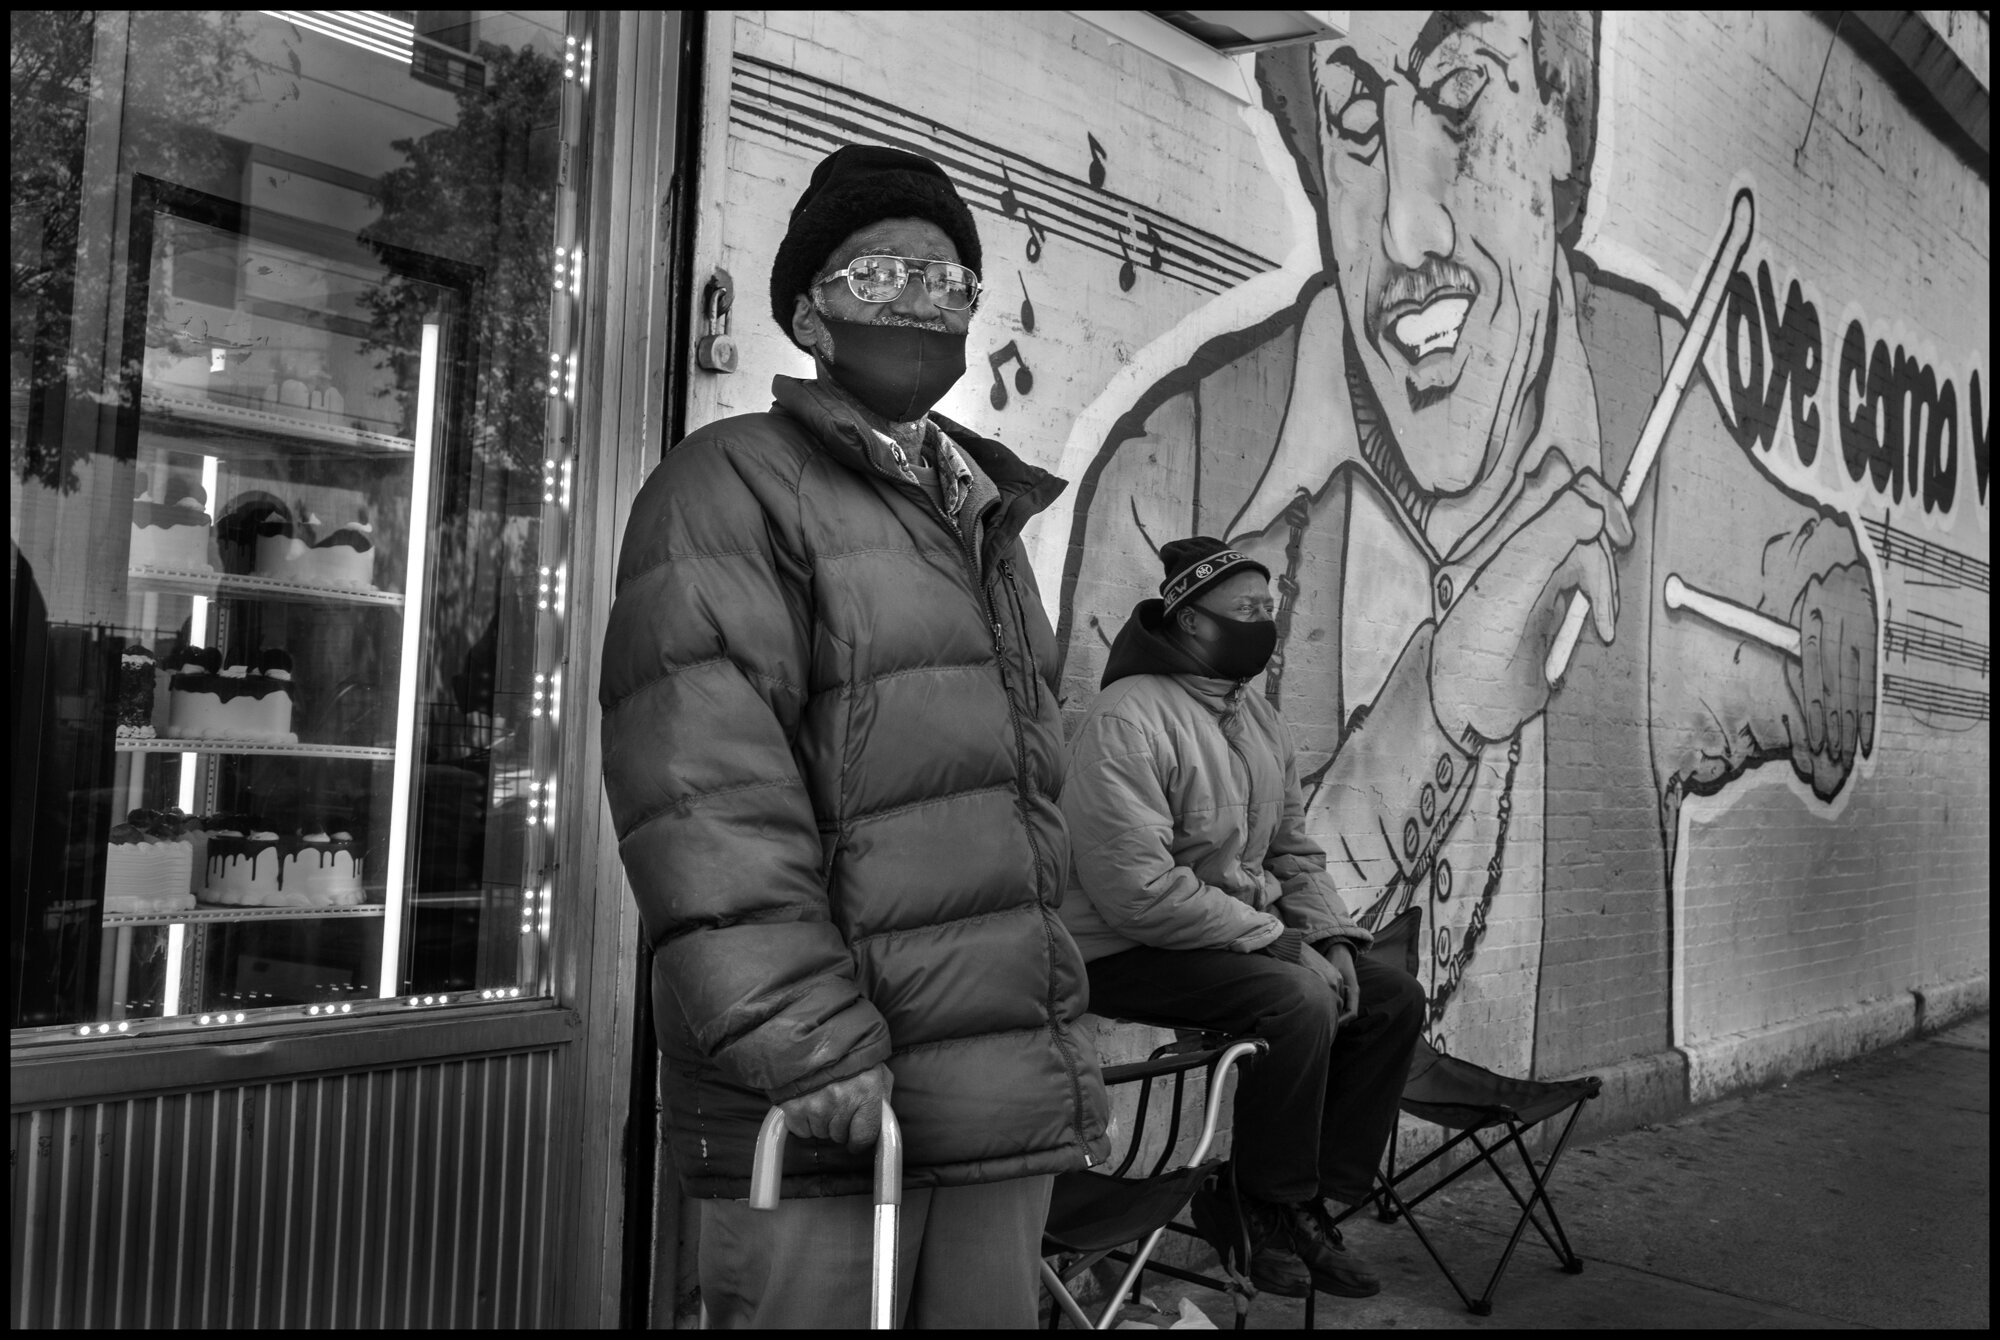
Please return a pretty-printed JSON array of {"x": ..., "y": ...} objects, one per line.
[
  {"x": 1041, "y": 907},
  {"x": 1021, "y": 794},
  {"x": 1027, "y": 649},
  {"x": 1249, "y": 774}
]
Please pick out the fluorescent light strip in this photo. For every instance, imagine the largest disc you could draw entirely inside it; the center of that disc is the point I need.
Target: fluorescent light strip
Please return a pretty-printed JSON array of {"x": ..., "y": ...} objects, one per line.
[
  {"x": 176, "y": 952},
  {"x": 211, "y": 470},
  {"x": 413, "y": 652},
  {"x": 384, "y": 37}
]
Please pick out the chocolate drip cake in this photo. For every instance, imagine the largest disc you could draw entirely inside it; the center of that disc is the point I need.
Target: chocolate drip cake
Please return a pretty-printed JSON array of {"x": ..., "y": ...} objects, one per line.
[
  {"x": 249, "y": 864},
  {"x": 170, "y": 530},
  {"x": 208, "y": 701}
]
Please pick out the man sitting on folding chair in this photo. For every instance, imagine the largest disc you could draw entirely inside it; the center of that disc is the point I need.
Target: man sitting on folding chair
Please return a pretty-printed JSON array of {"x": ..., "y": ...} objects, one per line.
[{"x": 1199, "y": 902}]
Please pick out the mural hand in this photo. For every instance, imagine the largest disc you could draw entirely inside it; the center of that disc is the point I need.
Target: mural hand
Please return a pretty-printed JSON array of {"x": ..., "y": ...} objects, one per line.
[
  {"x": 1833, "y": 679},
  {"x": 1487, "y": 655}
]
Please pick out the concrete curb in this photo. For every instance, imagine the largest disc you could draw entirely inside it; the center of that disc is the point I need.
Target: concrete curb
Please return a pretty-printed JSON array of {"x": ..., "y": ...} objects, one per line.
[{"x": 1723, "y": 1066}]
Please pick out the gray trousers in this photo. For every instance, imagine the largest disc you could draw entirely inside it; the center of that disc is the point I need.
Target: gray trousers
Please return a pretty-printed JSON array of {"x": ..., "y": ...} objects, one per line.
[{"x": 968, "y": 1259}]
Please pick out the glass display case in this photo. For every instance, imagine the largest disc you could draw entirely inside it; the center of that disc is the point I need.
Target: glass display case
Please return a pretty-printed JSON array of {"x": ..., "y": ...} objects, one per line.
[
  {"x": 284, "y": 443},
  {"x": 285, "y": 610}
]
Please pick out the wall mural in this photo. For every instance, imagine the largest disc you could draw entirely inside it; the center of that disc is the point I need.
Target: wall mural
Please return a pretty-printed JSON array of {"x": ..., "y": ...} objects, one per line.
[{"x": 1555, "y": 553}]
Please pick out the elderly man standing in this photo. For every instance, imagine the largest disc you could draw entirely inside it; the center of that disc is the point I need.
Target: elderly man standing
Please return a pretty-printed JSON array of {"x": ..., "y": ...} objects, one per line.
[
  {"x": 1199, "y": 901},
  {"x": 833, "y": 758}
]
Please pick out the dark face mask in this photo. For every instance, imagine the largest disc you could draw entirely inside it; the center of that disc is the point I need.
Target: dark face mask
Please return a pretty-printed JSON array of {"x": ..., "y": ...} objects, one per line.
[
  {"x": 1238, "y": 649},
  {"x": 897, "y": 371}
]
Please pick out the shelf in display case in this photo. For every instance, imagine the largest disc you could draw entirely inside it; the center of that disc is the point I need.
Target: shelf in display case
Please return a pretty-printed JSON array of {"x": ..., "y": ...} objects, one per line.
[
  {"x": 187, "y": 415},
  {"x": 160, "y": 745},
  {"x": 198, "y": 583},
  {"x": 210, "y": 915}
]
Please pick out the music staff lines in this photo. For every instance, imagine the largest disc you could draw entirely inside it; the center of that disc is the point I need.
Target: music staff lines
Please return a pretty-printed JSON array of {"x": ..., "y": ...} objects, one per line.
[
  {"x": 1928, "y": 557},
  {"x": 1924, "y": 643},
  {"x": 1923, "y": 695},
  {"x": 805, "y": 111}
]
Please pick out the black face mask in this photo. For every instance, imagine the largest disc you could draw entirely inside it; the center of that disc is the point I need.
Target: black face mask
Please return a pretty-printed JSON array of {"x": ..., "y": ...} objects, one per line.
[
  {"x": 1240, "y": 650},
  {"x": 897, "y": 371}
]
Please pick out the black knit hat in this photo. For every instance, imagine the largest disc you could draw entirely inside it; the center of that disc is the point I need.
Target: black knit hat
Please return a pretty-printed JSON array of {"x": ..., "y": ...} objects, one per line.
[
  {"x": 854, "y": 186},
  {"x": 1197, "y": 563}
]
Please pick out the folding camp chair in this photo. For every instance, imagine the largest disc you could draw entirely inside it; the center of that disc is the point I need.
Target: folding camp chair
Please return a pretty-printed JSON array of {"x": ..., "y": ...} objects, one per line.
[
  {"x": 1469, "y": 1099},
  {"x": 1093, "y": 1215}
]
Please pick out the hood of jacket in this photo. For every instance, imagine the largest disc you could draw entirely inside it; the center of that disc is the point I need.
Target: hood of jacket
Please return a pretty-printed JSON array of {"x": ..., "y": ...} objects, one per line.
[{"x": 1143, "y": 647}]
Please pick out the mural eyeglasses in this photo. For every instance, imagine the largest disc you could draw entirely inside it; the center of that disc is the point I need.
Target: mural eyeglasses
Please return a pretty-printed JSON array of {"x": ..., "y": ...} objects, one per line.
[{"x": 878, "y": 279}]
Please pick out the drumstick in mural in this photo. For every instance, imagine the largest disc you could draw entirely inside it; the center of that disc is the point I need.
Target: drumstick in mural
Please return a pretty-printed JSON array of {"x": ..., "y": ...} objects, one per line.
[
  {"x": 1701, "y": 324},
  {"x": 1753, "y": 624}
]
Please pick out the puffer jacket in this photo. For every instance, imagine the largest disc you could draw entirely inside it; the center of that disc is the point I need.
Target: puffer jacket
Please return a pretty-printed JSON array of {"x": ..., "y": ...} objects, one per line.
[
  {"x": 833, "y": 760},
  {"x": 1186, "y": 820}
]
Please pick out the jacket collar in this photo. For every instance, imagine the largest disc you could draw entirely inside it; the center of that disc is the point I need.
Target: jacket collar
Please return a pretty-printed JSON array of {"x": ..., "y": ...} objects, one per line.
[{"x": 1024, "y": 489}]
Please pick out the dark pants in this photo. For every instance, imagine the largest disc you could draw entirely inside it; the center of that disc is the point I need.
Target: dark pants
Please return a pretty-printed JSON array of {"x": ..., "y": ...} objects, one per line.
[{"x": 1313, "y": 1115}]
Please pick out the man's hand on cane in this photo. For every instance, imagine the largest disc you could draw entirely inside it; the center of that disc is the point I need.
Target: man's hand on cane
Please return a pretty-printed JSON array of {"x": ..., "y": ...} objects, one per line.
[{"x": 847, "y": 1111}]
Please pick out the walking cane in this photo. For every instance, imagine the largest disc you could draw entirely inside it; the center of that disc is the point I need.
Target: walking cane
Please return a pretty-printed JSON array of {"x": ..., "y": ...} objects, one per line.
[{"x": 767, "y": 1169}]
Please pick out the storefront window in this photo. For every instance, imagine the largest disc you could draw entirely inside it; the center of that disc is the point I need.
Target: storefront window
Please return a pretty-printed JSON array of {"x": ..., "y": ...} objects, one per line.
[{"x": 286, "y": 511}]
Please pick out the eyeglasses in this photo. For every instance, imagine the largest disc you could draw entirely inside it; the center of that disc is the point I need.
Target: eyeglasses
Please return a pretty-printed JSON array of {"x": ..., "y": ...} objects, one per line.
[{"x": 878, "y": 279}]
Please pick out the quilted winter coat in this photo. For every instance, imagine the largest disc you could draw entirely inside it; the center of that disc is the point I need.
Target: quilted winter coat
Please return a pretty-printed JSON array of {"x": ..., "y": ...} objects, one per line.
[
  {"x": 834, "y": 763},
  {"x": 1185, "y": 812}
]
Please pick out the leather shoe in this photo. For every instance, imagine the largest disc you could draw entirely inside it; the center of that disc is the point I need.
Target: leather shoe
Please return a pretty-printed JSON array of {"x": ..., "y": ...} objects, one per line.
[
  {"x": 1274, "y": 1267},
  {"x": 1334, "y": 1268}
]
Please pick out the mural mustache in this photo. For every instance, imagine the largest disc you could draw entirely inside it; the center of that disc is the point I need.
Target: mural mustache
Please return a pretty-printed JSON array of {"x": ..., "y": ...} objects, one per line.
[{"x": 1422, "y": 311}]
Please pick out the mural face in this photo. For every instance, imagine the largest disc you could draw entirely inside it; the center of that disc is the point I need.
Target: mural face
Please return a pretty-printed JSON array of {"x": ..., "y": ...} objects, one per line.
[
  {"x": 1463, "y": 352},
  {"x": 1438, "y": 147}
]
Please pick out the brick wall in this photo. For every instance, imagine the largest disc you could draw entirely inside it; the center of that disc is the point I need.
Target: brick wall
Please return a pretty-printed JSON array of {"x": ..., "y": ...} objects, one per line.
[{"x": 1670, "y": 864}]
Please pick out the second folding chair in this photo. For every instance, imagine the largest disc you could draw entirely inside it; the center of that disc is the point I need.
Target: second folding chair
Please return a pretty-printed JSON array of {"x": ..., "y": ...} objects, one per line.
[{"x": 1470, "y": 1100}]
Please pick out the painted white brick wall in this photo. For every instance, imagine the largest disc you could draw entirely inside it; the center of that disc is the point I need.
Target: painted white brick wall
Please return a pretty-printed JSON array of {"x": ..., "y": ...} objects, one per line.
[{"x": 1785, "y": 909}]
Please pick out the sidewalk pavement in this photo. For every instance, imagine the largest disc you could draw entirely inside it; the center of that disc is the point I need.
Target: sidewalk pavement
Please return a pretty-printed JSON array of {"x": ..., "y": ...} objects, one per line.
[{"x": 1857, "y": 1196}]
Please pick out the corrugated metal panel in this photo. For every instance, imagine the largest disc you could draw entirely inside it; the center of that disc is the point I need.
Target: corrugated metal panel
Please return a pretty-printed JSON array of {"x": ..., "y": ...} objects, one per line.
[{"x": 414, "y": 1197}]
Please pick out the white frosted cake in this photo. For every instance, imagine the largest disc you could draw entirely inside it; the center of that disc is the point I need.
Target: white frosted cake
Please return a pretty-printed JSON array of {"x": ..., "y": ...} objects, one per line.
[
  {"x": 208, "y": 702},
  {"x": 265, "y": 538},
  {"x": 149, "y": 865},
  {"x": 249, "y": 865},
  {"x": 172, "y": 531},
  {"x": 344, "y": 558}
]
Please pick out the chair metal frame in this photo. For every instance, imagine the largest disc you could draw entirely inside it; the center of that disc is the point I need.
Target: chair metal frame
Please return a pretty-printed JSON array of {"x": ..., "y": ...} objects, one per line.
[
  {"x": 1177, "y": 1059},
  {"x": 1389, "y": 1201}
]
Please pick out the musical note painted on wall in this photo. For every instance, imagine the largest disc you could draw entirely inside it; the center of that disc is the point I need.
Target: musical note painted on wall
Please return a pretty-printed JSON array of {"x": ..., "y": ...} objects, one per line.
[
  {"x": 1096, "y": 161},
  {"x": 1027, "y": 305},
  {"x": 1024, "y": 378},
  {"x": 1014, "y": 207},
  {"x": 1128, "y": 270}
]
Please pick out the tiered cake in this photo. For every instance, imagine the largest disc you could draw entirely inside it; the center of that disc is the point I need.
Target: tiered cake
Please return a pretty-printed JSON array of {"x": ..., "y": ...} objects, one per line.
[{"x": 137, "y": 676}]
